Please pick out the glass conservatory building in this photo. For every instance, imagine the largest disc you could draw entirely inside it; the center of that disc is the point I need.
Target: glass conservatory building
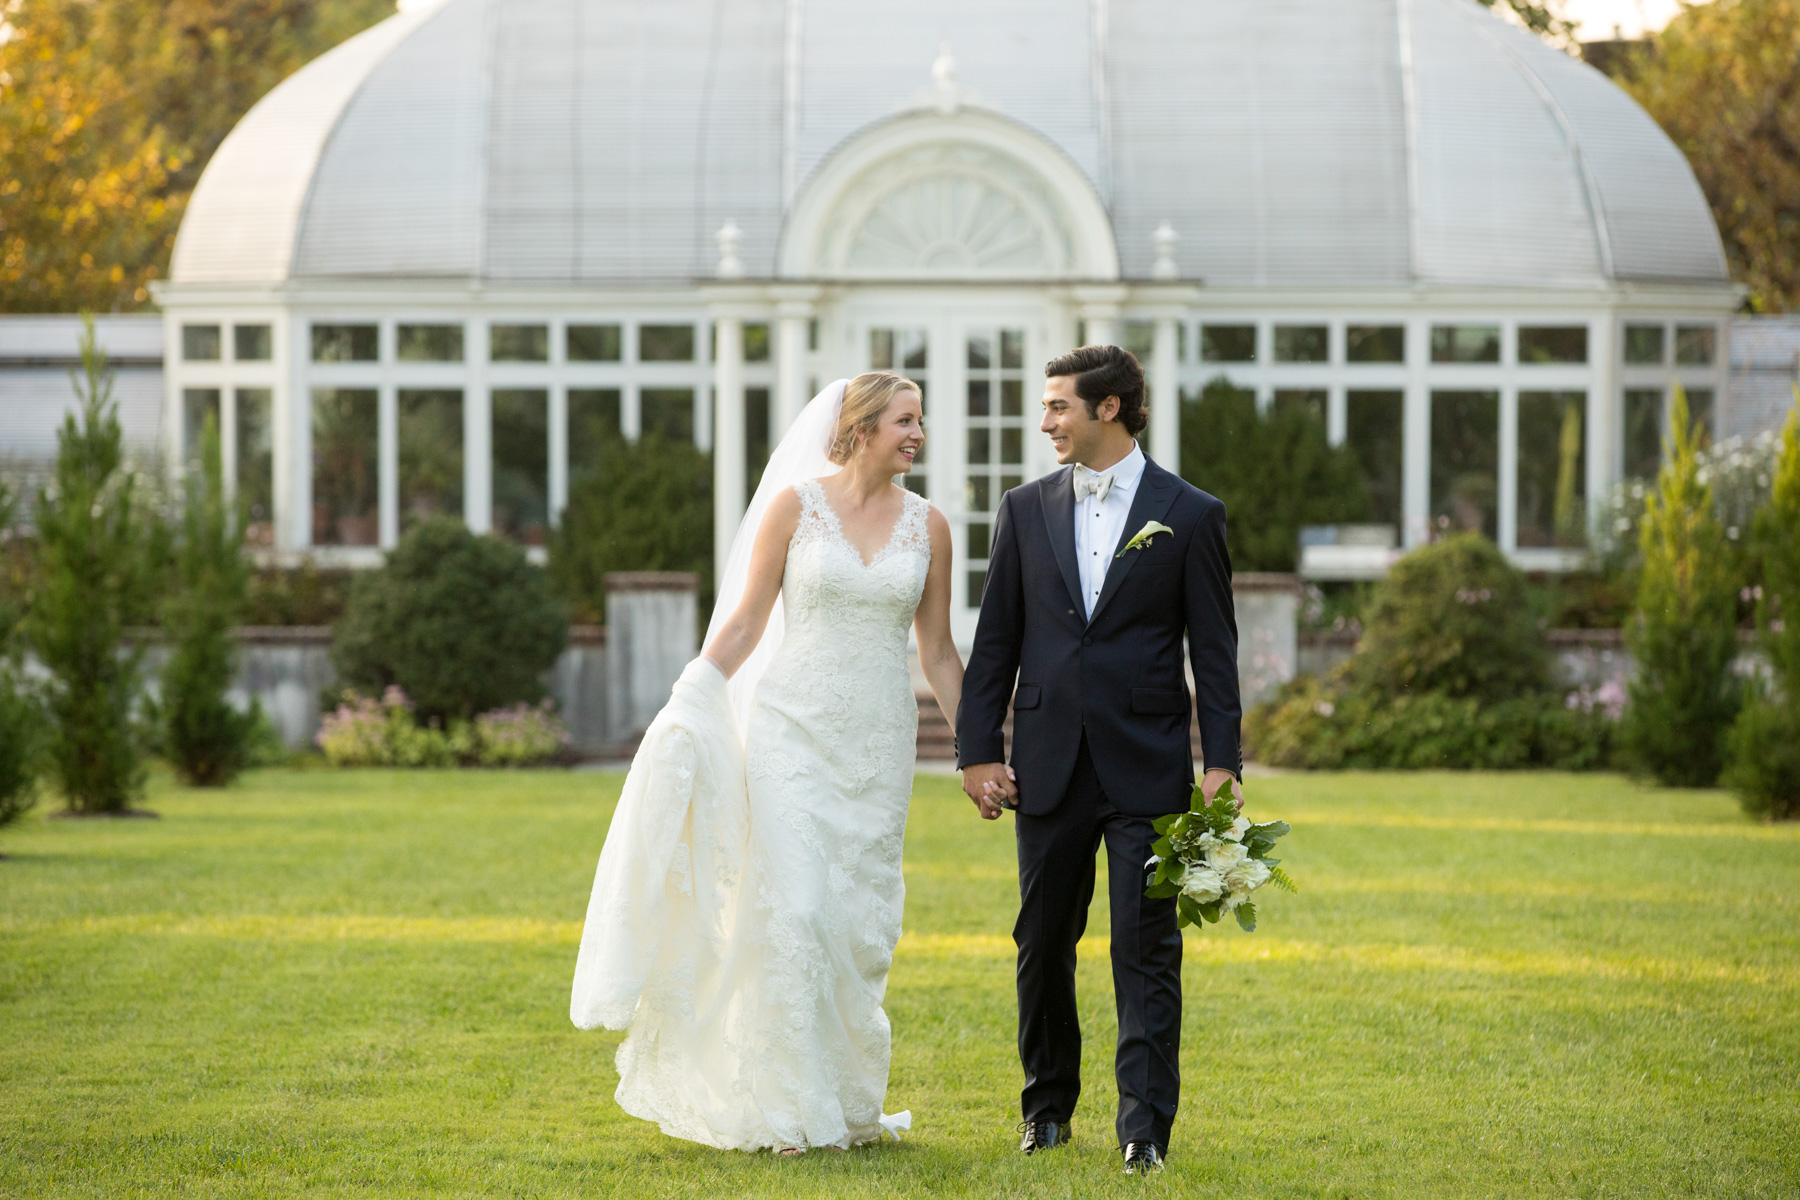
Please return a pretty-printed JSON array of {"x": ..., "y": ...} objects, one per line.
[{"x": 428, "y": 271}]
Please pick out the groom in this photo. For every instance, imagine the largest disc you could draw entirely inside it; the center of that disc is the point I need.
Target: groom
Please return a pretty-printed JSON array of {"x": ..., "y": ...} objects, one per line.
[{"x": 1081, "y": 629}]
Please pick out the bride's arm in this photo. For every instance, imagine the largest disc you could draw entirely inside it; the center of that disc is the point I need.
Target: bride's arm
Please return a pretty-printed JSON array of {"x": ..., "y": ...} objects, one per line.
[
  {"x": 768, "y": 561},
  {"x": 931, "y": 624}
]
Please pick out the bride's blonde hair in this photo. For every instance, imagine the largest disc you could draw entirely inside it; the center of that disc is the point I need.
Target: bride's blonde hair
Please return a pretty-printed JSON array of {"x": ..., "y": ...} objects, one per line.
[{"x": 865, "y": 399}]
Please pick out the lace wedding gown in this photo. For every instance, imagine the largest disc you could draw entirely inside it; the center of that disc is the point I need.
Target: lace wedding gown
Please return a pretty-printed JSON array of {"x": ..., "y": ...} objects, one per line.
[{"x": 758, "y": 1020}]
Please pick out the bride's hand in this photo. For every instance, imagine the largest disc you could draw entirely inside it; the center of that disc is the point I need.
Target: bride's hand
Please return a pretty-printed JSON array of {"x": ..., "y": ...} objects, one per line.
[{"x": 990, "y": 786}]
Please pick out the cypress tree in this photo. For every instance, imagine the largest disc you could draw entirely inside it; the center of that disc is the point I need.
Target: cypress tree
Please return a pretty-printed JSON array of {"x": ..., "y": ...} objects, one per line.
[
  {"x": 95, "y": 544},
  {"x": 206, "y": 740},
  {"x": 1683, "y": 631}
]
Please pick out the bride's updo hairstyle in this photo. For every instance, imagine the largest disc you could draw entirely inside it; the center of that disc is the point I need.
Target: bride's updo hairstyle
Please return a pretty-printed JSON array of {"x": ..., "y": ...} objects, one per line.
[{"x": 865, "y": 399}]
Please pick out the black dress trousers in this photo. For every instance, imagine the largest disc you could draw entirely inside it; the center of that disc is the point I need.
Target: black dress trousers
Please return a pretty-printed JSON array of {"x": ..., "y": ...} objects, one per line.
[{"x": 1056, "y": 883}]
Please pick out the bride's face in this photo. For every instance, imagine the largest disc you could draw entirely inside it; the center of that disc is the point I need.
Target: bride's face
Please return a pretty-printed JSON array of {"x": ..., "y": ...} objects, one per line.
[{"x": 890, "y": 450}]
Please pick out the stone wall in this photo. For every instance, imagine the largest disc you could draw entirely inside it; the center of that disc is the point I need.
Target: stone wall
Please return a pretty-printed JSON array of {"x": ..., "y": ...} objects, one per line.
[{"x": 1268, "y": 615}]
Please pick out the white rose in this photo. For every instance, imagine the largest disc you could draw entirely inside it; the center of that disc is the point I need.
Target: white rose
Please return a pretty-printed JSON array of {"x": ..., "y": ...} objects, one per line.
[
  {"x": 1239, "y": 828},
  {"x": 1226, "y": 855},
  {"x": 1247, "y": 876},
  {"x": 1202, "y": 885},
  {"x": 1233, "y": 899}
]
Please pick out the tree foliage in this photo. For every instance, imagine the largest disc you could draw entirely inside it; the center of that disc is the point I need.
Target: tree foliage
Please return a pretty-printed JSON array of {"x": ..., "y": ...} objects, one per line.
[
  {"x": 460, "y": 622},
  {"x": 205, "y": 738},
  {"x": 110, "y": 109},
  {"x": 1683, "y": 632},
  {"x": 1544, "y": 19},
  {"x": 99, "y": 545},
  {"x": 1723, "y": 80},
  {"x": 1274, "y": 470},
  {"x": 644, "y": 507}
]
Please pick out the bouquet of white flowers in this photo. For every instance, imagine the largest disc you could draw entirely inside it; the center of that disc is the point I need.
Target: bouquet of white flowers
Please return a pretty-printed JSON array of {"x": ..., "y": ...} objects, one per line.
[{"x": 1212, "y": 858}]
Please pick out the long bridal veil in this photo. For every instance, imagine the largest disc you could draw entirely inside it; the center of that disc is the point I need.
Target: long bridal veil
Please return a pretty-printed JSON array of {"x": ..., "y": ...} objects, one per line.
[{"x": 803, "y": 453}]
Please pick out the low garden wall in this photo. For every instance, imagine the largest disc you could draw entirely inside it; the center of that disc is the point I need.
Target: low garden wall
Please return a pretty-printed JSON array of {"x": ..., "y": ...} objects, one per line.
[
  {"x": 608, "y": 683},
  {"x": 1583, "y": 657}
]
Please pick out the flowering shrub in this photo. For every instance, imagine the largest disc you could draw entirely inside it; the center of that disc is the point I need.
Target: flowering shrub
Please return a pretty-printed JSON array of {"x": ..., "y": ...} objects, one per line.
[
  {"x": 1609, "y": 699},
  {"x": 363, "y": 732},
  {"x": 1740, "y": 471},
  {"x": 518, "y": 736}
]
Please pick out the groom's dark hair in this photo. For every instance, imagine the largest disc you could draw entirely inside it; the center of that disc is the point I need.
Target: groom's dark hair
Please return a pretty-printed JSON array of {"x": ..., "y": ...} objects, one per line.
[{"x": 1102, "y": 371}]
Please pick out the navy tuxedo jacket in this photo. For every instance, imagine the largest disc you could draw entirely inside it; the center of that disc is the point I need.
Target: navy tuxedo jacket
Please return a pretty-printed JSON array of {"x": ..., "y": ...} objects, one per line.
[{"x": 1118, "y": 675}]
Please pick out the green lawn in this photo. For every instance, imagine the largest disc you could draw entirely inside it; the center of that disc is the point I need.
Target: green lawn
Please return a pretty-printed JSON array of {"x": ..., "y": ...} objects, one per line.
[{"x": 356, "y": 984}]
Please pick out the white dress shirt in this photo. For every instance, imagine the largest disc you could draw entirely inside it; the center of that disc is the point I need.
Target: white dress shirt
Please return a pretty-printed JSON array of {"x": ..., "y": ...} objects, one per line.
[{"x": 1100, "y": 523}]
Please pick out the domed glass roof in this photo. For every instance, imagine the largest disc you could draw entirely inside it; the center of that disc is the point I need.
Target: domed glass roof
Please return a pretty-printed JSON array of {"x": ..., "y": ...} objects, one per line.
[{"x": 1290, "y": 143}]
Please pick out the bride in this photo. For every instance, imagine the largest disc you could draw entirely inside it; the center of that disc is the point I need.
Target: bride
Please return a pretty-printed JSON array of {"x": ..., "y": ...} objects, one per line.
[{"x": 749, "y": 893}]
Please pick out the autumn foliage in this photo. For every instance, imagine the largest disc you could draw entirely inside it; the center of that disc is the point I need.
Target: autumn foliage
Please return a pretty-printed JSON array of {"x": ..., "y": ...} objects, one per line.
[
  {"x": 109, "y": 109},
  {"x": 1723, "y": 80}
]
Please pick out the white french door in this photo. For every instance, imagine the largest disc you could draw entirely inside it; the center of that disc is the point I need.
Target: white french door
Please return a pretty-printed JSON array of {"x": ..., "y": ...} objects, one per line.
[{"x": 980, "y": 369}]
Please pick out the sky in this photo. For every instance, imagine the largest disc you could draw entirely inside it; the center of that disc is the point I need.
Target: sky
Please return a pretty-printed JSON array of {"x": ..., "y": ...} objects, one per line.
[{"x": 1633, "y": 17}]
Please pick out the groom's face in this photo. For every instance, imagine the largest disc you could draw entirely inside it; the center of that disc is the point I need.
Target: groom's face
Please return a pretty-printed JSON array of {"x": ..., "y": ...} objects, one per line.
[{"x": 1074, "y": 435}]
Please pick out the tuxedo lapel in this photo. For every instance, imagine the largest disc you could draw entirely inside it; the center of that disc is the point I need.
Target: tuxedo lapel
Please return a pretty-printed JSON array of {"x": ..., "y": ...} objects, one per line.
[
  {"x": 1155, "y": 494},
  {"x": 1059, "y": 523}
]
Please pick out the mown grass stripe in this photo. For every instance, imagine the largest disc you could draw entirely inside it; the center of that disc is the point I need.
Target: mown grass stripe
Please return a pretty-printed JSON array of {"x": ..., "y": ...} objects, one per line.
[
  {"x": 1773, "y": 833},
  {"x": 1227, "y": 947},
  {"x": 1219, "y": 947}
]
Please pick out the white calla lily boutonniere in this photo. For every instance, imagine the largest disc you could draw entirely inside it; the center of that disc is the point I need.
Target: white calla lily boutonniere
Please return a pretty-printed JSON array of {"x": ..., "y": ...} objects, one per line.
[{"x": 1142, "y": 537}]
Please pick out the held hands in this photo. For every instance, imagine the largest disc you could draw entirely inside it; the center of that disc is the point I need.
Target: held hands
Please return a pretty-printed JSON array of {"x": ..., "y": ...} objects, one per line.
[{"x": 991, "y": 786}]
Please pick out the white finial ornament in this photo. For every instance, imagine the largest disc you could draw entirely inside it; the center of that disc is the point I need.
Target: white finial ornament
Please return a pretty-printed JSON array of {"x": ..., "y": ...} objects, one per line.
[
  {"x": 730, "y": 237},
  {"x": 943, "y": 74},
  {"x": 1164, "y": 240}
]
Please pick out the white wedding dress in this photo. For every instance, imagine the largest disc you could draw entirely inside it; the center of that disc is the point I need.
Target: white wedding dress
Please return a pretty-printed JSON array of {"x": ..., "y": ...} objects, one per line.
[{"x": 746, "y": 908}]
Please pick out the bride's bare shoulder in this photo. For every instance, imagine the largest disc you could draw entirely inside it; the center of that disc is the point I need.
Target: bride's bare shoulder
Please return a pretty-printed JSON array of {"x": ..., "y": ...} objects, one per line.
[
  {"x": 938, "y": 525},
  {"x": 782, "y": 516}
]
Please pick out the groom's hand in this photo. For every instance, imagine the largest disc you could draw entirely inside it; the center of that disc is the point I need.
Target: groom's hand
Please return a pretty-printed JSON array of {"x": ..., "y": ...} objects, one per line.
[
  {"x": 991, "y": 786},
  {"x": 1216, "y": 778}
]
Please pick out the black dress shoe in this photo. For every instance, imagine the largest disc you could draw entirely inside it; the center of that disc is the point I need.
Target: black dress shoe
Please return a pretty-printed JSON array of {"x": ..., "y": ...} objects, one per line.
[
  {"x": 1143, "y": 1158},
  {"x": 1044, "y": 1135}
]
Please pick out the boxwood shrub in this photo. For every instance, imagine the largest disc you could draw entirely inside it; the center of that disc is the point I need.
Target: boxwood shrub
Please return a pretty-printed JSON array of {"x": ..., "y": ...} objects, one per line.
[
  {"x": 463, "y": 624},
  {"x": 1452, "y": 672}
]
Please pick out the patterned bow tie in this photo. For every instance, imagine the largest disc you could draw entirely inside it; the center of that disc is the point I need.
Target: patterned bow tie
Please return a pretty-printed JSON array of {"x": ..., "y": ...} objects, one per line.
[{"x": 1088, "y": 483}]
